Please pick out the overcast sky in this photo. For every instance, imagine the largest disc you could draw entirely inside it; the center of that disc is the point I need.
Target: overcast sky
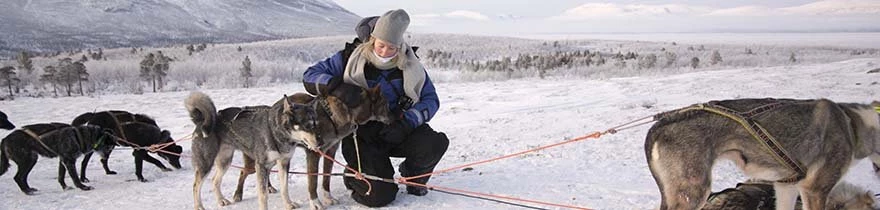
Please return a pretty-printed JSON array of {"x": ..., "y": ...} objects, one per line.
[{"x": 584, "y": 16}]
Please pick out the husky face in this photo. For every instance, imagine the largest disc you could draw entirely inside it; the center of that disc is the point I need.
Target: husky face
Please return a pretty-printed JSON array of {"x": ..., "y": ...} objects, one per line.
[
  {"x": 4, "y": 122},
  {"x": 171, "y": 152},
  {"x": 301, "y": 122},
  {"x": 375, "y": 107}
]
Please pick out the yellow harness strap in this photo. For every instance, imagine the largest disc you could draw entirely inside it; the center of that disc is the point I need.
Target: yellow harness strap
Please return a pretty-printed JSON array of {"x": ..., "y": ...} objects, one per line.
[{"x": 39, "y": 138}]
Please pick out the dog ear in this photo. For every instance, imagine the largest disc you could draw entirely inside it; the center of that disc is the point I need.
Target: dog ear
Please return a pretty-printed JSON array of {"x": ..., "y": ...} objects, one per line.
[
  {"x": 288, "y": 108},
  {"x": 337, "y": 107},
  {"x": 373, "y": 93},
  {"x": 876, "y": 105},
  {"x": 109, "y": 131},
  {"x": 376, "y": 90},
  {"x": 166, "y": 136}
]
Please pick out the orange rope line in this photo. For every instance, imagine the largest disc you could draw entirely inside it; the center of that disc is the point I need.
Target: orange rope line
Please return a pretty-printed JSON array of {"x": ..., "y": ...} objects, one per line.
[
  {"x": 403, "y": 180},
  {"x": 358, "y": 175},
  {"x": 157, "y": 147},
  {"x": 593, "y": 135}
]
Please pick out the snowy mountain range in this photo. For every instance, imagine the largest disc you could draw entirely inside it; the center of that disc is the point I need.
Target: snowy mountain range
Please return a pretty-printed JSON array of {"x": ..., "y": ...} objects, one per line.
[{"x": 52, "y": 25}]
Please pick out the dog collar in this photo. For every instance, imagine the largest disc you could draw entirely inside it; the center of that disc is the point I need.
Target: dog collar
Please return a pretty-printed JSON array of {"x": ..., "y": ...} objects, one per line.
[
  {"x": 877, "y": 108},
  {"x": 99, "y": 142}
]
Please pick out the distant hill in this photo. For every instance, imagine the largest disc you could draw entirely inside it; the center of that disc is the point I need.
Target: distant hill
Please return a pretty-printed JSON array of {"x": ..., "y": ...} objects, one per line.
[{"x": 58, "y": 25}]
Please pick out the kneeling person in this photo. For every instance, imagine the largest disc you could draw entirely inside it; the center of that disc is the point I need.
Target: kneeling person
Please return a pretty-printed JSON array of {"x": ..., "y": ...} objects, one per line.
[{"x": 385, "y": 60}]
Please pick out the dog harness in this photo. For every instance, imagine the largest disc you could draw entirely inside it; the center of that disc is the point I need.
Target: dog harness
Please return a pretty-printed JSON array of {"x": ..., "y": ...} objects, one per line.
[
  {"x": 757, "y": 131},
  {"x": 119, "y": 125},
  {"x": 125, "y": 140},
  {"x": 39, "y": 138},
  {"x": 320, "y": 103}
]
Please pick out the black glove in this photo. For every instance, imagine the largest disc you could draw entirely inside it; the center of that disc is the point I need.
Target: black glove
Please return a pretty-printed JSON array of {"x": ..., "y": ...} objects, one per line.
[
  {"x": 323, "y": 89},
  {"x": 396, "y": 132},
  {"x": 331, "y": 85}
]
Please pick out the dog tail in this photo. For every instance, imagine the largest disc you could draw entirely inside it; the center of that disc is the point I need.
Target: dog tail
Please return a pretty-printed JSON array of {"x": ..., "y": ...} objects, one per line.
[
  {"x": 83, "y": 118},
  {"x": 202, "y": 111}
]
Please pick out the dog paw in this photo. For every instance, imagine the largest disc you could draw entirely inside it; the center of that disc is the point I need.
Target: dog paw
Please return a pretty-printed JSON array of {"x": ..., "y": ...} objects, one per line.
[
  {"x": 143, "y": 180},
  {"x": 224, "y": 202},
  {"x": 272, "y": 189},
  {"x": 84, "y": 180},
  {"x": 166, "y": 169},
  {"x": 30, "y": 191},
  {"x": 328, "y": 200},
  {"x": 86, "y": 188},
  {"x": 316, "y": 205},
  {"x": 236, "y": 198},
  {"x": 292, "y": 205},
  {"x": 111, "y": 172}
]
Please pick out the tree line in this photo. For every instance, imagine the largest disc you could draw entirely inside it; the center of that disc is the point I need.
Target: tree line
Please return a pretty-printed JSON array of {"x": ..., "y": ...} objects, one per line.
[{"x": 67, "y": 76}]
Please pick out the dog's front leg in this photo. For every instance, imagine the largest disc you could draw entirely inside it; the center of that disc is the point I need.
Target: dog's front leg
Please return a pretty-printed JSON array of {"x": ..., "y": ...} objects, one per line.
[
  {"x": 82, "y": 169},
  {"x": 813, "y": 200},
  {"x": 104, "y": 164},
  {"x": 104, "y": 158},
  {"x": 786, "y": 196},
  {"x": 327, "y": 198},
  {"x": 155, "y": 161},
  {"x": 262, "y": 173},
  {"x": 70, "y": 163},
  {"x": 284, "y": 165},
  {"x": 61, "y": 174},
  {"x": 312, "y": 164},
  {"x": 139, "y": 163}
]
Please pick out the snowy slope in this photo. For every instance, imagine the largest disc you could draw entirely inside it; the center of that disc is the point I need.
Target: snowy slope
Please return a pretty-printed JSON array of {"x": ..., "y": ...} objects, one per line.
[
  {"x": 483, "y": 120},
  {"x": 50, "y": 25}
]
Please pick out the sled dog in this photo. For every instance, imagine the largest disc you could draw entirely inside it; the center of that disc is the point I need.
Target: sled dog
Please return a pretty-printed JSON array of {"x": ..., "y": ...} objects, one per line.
[
  {"x": 135, "y": 130},
  {"x": 803, "y": 146},
  {"x": 52, "y": 140},
  {"x": 336, "y": 120},
  {"x": 268, "y": 134}
]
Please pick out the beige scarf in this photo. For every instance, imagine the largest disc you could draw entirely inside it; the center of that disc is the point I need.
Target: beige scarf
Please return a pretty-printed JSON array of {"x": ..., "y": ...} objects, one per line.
[{"x": 413, "y": 72}]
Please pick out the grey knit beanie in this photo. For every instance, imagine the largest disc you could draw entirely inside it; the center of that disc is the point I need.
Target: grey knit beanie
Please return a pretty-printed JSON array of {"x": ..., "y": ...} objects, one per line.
[
  {"x": 391, "y": 26},
  {"x": 365, "y": 27}
]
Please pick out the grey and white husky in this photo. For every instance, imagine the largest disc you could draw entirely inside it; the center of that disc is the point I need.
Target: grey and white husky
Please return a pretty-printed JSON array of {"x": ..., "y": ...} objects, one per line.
[
  {"x": 803, "y": 146},
  {"x": 336, "y": 120},
  {"x": 268, "y": 134}
]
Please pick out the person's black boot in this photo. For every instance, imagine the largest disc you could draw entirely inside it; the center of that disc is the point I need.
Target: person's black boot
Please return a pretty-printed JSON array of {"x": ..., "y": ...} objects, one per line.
[
  {"x": 414, "y": 190},
  {"x": 417, "y": 191}
]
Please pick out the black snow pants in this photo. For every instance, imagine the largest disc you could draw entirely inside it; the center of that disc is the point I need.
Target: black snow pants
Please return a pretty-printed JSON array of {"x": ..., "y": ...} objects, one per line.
[{"x": 422, "y": 149}]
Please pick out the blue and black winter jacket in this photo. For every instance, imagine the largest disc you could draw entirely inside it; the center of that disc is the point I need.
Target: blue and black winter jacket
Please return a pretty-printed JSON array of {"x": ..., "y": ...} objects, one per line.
[{"x": 390, "y": 81}]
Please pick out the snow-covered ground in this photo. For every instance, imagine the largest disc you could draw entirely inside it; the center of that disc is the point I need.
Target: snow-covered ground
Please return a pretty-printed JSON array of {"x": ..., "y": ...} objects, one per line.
[{"x": 483, "y": 120}]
